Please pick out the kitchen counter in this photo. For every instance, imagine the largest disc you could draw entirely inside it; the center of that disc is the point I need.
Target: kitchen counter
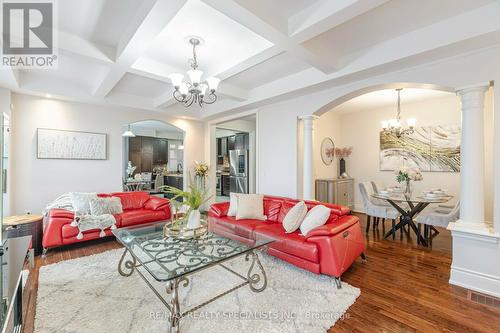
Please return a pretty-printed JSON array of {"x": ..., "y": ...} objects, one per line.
[{"x": 174, "y": 175}]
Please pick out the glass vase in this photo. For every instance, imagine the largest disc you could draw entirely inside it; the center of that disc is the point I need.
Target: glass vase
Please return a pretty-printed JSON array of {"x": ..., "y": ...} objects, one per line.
[{"x": 408, "y": 188}]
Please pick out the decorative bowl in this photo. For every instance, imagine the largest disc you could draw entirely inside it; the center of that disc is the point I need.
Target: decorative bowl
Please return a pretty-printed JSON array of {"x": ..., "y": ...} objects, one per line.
[{"x": 180, "y": 231}]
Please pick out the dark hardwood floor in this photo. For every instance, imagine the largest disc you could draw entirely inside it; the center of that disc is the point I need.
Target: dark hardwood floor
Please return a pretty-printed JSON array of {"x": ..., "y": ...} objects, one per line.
[{"x": 404, "y": 287}]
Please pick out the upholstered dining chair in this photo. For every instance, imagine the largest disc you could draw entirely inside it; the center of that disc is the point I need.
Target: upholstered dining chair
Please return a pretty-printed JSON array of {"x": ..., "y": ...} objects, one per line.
[
  {"x": 439, "y": 216},
  {"x": 375, "y": 208},
  {"x": 375, "y": 186}
]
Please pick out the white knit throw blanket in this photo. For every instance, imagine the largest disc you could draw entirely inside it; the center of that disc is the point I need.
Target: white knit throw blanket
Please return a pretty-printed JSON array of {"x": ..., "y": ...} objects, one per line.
[
  {"x": 89, "y": 222},
  {"x": 83, "y": 222}
]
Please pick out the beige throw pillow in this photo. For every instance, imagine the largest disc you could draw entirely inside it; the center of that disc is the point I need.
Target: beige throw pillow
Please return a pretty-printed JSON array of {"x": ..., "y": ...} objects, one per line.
[
  {"x": 293, "y": 219},
  {"x": 317, "y": 216},
  {"x": 233, "y": 204},
  {"x": 250, "y": 206}
]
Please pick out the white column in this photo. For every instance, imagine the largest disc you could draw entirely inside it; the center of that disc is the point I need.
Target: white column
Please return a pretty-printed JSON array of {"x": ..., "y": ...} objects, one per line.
[
  {"x": 496, "y": 159},
  {"x": 472, "y": 156},
  {"x": 308, "y": 158}
]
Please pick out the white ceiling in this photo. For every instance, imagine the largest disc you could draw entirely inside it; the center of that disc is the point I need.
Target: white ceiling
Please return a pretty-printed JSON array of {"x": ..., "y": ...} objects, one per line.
[
  {"x": 388, "y": 98},
  {"x": 121, "y": 51}
]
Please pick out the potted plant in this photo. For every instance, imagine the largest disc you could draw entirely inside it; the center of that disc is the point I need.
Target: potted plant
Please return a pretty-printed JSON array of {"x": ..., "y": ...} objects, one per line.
[
  {"x": 194, "y": 198},
  {"x": 406, "y": 175}
]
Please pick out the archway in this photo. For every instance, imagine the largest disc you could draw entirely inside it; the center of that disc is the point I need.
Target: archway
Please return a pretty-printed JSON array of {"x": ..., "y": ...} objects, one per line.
[
  {"x": 361, "y": 91},
  {"x": 154, "y": 150}
]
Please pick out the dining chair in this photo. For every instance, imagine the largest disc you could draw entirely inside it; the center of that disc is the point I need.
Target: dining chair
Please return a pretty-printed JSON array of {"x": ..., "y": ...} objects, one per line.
[
  {"x": 159, "y": 181},
  {"x": 439, "y": 216},
  {"x": 375, "y": 187},
  {"x": 375, "y": 208},
  {"x": 146, "y": 177}
]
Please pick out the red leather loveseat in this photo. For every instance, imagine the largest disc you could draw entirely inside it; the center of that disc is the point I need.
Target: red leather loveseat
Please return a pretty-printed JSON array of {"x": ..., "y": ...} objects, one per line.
[
  {"x": 138, "y": 208},
  {"x": 329, "y": 249}
]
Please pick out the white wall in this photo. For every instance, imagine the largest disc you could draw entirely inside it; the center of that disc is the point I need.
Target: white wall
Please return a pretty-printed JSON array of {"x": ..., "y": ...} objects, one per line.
[
  {"x": 327, "y": 126},
  {"x": 280, "y": 167},
  {"x": 361, "y": 130},
  {"x": 37, "y": 182},
  {"x": 5, "y": 101}
]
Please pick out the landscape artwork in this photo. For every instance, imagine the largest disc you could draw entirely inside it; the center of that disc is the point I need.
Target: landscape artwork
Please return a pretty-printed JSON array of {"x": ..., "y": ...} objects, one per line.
[
  {"x": 434, "y": 148},
  {"x": 75, "y": 145}
]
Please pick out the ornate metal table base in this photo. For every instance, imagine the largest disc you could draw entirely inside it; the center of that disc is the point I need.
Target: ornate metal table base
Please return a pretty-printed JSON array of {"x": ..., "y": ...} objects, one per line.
[
  {"x": 407, "y": 219},
  {"x": 256, "y": 279}
]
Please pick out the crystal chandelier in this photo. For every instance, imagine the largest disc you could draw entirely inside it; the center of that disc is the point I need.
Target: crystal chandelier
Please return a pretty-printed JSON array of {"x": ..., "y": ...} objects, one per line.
[
  {"x": 395, "y": 126},
  {"x": 194, "y": 90}
]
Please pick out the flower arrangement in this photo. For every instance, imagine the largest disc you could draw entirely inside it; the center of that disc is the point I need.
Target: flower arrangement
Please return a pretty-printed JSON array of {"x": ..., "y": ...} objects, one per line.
[
  {"x": 200, "y": 169},
  {"x": 343, "y": 152},
  {"x": 405, "y": 174}
]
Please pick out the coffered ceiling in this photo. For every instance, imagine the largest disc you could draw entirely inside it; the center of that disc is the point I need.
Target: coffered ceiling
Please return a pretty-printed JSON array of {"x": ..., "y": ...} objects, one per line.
[{"x": 121, "y": 51}]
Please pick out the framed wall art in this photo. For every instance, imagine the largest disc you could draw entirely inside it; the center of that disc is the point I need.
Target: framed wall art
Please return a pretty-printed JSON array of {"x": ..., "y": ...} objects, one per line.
[{"x": 71, "y": 145}]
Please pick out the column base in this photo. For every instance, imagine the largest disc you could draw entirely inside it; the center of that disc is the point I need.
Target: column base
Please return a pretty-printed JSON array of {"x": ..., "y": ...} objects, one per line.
[
  {"x": 484, "y": 228},
  {"x": 476, "y": 249}
]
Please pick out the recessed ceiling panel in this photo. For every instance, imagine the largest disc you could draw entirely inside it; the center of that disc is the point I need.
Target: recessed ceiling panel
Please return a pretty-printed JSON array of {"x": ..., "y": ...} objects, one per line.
[
  {"x": 393, "y": 19},
  {"x": 136, "y": 85},
  {"x": 100, "y": 21},
  {"x": 227, "y": 43},
  {"x": 75, "y": 69}
]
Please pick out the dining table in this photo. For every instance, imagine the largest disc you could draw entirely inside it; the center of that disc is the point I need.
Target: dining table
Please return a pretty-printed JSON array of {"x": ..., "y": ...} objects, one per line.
[
  {"x": 409, "y": 206},
  {"x": 136, "y": 184}
]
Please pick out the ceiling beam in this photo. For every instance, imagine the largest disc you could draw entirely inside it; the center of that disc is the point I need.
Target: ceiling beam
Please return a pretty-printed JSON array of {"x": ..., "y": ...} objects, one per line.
[
  {"x": 149, "y": 21},
  {"x": 76, "y": 45},
  {"x": 325, "y": 15},
  {"x": 451, "y": 37},
  {"x": 281, "y": 40}
]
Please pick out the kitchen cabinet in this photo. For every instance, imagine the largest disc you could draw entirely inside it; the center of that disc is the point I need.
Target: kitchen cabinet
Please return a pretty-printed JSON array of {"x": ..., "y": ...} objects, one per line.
[
  {"x": 231, "y": 142},
  {"x": 222, "y": 147},
  {"x": 145, "y": 152},
  {"x": 225, "y": 185},
  {"x": 337, "y": 191},
  {"x": 160, "y": 151},
  {"x": 241, "y": 141},
  {"x": 135, "y": 144},
  {"x": 174, "y": 181}
]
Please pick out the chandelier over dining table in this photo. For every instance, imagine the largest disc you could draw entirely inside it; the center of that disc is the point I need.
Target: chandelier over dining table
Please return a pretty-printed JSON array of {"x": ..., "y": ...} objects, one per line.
[
  {"x": 395, "y": 126},
  {"x": 194, "y": 90}
]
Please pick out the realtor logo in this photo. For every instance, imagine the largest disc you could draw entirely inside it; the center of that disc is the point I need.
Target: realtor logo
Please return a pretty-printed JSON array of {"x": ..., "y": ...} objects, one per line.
[{"x": 28, "y": 34}]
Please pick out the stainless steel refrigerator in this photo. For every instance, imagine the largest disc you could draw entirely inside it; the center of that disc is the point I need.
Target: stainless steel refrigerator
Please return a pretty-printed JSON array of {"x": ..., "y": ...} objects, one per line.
[{"x": 238, "y": 171}]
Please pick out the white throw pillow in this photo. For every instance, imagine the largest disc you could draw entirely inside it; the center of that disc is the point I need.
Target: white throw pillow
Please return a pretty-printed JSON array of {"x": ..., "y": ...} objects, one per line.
[
  {"x": 316, "y": 217},
  {"x": 81, "y": 201},
  {"x": 101, "y": 206},
  {"x": 293, "y": 219},
  {"x": 233, "y": 204},
  {"x": 250, "y": 206}
]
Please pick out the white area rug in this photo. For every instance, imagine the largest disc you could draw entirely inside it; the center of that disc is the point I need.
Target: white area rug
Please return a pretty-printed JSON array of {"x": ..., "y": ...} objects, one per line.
[{"x": 89, "y": 295}]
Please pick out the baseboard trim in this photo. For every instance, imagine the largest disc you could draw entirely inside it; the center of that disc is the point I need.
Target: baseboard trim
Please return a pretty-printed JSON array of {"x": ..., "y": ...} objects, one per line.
[{"x": 477, "y": 281}]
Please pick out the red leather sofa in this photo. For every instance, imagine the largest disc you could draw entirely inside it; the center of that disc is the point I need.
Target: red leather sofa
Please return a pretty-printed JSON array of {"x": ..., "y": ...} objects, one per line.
[
  {"x": 330, "y": 249},
  {"x": 138, "y": 208}
]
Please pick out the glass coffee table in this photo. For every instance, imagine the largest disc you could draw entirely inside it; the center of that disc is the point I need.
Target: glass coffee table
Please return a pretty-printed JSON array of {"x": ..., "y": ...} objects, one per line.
[{"x": 173, "y": 260}]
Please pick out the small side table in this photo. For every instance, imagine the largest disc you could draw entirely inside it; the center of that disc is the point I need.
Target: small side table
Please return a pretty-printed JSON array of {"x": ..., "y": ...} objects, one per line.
[{"x": 26, "y": 225}]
